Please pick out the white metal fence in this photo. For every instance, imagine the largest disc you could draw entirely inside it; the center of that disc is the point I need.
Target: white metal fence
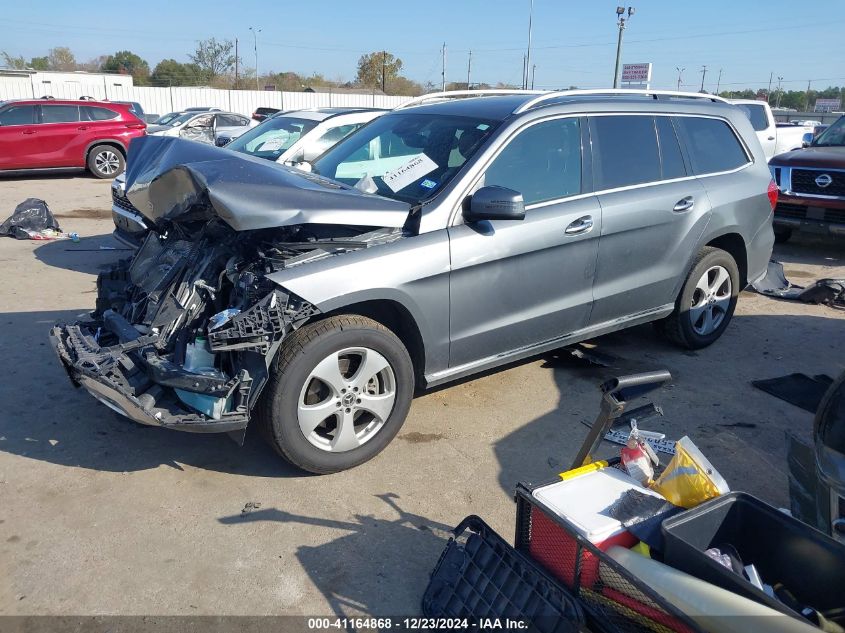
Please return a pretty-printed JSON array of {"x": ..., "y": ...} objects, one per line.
[{"x": 162, "y": 100}]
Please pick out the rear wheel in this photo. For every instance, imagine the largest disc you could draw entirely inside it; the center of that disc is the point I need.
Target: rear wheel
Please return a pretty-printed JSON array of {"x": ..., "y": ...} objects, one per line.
[
  {"x": 339, "y": 393},
  {"x": 105, "y": 161},
  {"x": 706, "y": 302}
]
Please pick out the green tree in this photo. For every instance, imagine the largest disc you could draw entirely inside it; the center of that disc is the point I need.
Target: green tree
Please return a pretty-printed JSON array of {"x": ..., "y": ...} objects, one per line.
[
  {"x": 378, "y": 70},
  {"x": 128, "y": 63},
  {"x": 40, "y": 63},
  {"x": 61, "y": 58},
  {"x": 17, "y": 63},
  {"x": 214, "y": 58},
  {"x": 169, "y": 72}
]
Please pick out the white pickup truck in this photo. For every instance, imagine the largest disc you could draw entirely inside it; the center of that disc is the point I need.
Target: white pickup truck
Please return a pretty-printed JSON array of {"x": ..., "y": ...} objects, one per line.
[{"x": 775, "y": 138}]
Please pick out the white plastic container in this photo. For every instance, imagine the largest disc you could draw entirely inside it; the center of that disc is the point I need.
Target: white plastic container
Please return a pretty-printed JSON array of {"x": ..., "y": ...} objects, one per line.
[{"x": 584, "y": 500}]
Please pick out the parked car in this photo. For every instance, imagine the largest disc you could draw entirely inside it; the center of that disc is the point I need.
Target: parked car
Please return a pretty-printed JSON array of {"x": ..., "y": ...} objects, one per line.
[
  {"x": 284, "y": 138},
  {"x": 441, "y": 240},
  {"x": 812, "y": 185},
  {"x": 64, "y": 134},
  {"x": 201, "y": 126},
  {"x": 135, "y": 108},
  {"x": 262, "y": 113},
  {"x": 301, "y": 135},
  {"x": 202, "y": 109},
  {"x": 775, "y": 138}
]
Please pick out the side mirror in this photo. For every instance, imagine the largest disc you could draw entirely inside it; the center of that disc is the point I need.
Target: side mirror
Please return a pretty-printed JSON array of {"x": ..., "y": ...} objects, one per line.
[
  {"x": 495, "y": 203},
  {"x": 807, "y": 139}
]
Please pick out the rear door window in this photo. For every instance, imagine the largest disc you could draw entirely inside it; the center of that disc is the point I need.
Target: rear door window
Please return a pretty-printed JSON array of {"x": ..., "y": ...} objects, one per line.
[
  {"x": 712, "y": 145},
  {"x": 18, "y": 115},
  {"x": 671, "y": 159},
  {"x": 625, "y": 151},
  {"x": 59, "y": 114},
  {"x": 757, "y": 115}
]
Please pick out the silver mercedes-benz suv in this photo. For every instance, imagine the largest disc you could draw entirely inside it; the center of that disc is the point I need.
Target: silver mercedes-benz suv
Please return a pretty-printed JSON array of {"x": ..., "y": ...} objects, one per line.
[{"x": 450, "y": 236}]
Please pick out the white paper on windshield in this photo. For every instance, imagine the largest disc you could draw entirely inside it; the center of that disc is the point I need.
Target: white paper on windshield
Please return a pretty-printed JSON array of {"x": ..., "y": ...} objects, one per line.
[
  {"x": 414, "y": 169},
  {"x": 273, "y": 144}
]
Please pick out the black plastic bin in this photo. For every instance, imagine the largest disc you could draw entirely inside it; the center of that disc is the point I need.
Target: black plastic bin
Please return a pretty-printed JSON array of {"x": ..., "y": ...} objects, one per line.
[{"x": 808, "y": 563}]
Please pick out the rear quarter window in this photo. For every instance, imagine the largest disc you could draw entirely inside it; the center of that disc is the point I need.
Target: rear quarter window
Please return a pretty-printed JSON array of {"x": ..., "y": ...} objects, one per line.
[
  {"x": 712, "y": 145},
  {"x": 96, "y": 113}
]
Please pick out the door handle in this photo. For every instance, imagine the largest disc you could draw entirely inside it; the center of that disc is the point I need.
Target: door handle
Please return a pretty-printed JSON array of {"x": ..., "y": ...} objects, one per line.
[
  {"x": 581, "y": 225},
  {"x": 684, "y": 204},
  {"x": 82, "y": 127},
  {"x": 771, "y": 138},
  {"x": 29, "y": 132}
]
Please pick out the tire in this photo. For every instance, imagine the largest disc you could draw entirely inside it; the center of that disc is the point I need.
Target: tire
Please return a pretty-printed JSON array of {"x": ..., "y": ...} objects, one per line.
[
  {"x": 106, "y": 161},
  {"x": 689, "y": 327},
  {"x": 782, "y": 235},
  {"x": 351, "y": 344}
]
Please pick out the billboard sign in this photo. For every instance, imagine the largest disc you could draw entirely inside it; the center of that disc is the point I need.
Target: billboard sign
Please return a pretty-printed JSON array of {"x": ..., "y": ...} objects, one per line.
[
  {"x": 828, "y": 105},
  {"x": 636, "y": 73}
]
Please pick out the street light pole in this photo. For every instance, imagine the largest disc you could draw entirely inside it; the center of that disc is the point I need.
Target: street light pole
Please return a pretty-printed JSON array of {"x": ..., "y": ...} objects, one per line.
[
  {"x": 703, "y": 75},
  {"x": 620, "y": 11},
  {"x": 780, "y": 79},
  {"x": 255, "y": 33},
  {"x": 680, "y": 70},
  {"x": 527, "y": 63}
]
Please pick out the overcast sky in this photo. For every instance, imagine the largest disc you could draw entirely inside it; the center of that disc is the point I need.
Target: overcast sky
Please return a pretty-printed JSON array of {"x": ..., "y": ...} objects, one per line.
[{"x": 574, "y": 42}]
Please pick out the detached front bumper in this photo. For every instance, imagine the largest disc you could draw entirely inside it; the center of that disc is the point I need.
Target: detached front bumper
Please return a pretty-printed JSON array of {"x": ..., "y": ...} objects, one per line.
[{"x": 119, "y": 377}]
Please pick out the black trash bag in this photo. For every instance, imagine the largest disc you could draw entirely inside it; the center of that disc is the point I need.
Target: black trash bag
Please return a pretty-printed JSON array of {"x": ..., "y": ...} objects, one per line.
[{"x": 30, "y": 215}]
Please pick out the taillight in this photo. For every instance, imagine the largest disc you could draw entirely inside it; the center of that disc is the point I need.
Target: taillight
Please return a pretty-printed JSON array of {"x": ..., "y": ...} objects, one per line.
[
  {"x": 136, "y": 126},
  {"x": 773, "y": 194}
]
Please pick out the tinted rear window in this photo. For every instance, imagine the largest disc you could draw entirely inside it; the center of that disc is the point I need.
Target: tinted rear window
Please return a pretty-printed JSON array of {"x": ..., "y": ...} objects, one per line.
[
  {"x": 96, "y": 113},
  {"x": 712, "y": 145},
  {"x": 757, "y": 114},
  {"x": 59, "y": 114},
  {"x": 625, "y": 151}
]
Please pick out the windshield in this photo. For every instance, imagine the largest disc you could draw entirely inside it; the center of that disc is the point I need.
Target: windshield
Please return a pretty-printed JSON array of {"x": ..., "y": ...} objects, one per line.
[
  {"x": 405, "y": 156},
  {"x": 273, "y": 137},
  {"x": 832, "y": 136},
  {"x": 171, "y": 119}
]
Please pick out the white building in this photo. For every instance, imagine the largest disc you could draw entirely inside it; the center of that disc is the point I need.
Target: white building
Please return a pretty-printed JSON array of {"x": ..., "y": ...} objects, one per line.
[{"x": 17, "y": 84}]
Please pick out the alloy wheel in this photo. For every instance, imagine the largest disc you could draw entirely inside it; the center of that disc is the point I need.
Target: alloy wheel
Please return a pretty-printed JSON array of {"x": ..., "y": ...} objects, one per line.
[
  {"x": 346, "y": 399},
  {"x": 710, "y": 300},
  {"x": 107, "y": 163}
]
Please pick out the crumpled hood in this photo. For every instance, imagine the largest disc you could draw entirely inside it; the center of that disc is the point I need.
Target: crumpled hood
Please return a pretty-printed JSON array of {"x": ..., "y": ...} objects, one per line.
[
  {"x": 169, "y": 178},
  {"x": 821, "y": 157}
]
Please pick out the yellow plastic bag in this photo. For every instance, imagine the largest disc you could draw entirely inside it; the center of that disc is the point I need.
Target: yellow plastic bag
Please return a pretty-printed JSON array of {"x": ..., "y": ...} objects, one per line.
[{"x": 689, "y": 478}]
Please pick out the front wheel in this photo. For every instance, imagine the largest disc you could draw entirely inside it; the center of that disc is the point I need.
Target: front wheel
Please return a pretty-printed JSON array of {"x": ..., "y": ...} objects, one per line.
[
  {"x": 706, "y": 302},
  {"x": 338, "y": 394}
]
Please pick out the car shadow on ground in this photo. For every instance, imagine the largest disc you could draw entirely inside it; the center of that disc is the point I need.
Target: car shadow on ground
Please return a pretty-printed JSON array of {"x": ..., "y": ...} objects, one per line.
[
  {"x": 91, "y": 254},
  {"x": 45, "y": 418},
  {"x": 376, "y": 564},
  {"x": 711, "y": 399},
  {"x": 803, "y": 248},
  {"x": 59, "y": 174}
]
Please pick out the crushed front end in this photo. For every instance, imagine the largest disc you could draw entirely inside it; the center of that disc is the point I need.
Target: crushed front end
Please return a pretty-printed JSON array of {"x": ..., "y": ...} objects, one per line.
[{"x": 183, "y": 334}]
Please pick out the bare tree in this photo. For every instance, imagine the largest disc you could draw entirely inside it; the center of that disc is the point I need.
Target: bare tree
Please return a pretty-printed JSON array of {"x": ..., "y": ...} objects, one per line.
[{"x": 61, "y": 58}]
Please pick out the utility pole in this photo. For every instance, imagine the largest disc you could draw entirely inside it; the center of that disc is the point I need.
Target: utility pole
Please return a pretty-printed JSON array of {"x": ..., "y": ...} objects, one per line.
[
  {"x": 255, "y": 33},
  {"x": 620, "y": 12},
  {"x": 443, "y": 69},
  {"x": 469, "y": 67},
  {"x": 807, "y": 98},
  {"x": 780, "y": 79},
  {"x": 236, "y": 62},
  {"x": 703, "y": 74},
  {"x": 383, "y": 68},
  {"x": 769, "y": 91},
  {"x": 719, "y": 81},
  {"x": 533, "y": 73},
  {"x": 528, "y": 53},
  {"x": 680, "y": 70}
]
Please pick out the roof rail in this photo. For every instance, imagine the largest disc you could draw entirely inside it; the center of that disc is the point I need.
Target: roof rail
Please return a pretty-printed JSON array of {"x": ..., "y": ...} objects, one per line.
[
  {"x": 452, "y": 94},
  {"x": 656, "y": 94}
]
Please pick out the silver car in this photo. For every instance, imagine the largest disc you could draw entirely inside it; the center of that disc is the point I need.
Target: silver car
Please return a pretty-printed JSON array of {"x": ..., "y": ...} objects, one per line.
[
  {"x": 445, "y": 238},
  {"x": 201, "y": 126}
]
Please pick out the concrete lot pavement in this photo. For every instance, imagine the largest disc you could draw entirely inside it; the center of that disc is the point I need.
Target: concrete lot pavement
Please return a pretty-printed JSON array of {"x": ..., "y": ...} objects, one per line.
[{"x": 102, "y": 516}]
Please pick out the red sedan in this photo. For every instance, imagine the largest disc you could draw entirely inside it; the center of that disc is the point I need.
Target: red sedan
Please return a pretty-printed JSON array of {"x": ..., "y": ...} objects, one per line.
[{"x": 56, "y": 134}]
